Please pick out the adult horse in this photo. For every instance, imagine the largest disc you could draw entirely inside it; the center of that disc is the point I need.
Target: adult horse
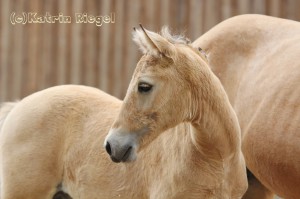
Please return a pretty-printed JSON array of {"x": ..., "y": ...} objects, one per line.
[
  {"x": 257, "y": 60},
  {"x": 176, "y": 116}
]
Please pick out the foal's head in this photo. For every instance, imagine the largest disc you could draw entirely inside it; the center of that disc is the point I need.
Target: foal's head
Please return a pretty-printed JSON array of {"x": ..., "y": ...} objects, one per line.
[{"x": 160, "y": 94}]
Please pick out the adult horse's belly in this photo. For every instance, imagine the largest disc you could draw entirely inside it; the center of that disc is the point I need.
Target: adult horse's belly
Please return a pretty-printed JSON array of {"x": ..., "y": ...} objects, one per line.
[{"x": 268, "y": 108}]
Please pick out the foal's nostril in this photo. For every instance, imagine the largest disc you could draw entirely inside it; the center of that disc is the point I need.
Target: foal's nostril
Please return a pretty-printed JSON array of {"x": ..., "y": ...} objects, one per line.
[
  {"x": 108, "y": 148},
  {"x": 127, "y": 154}
]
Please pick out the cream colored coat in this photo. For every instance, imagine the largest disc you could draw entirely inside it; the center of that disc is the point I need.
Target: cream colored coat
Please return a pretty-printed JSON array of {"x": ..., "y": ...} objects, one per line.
[
  {"x": 257, "y": 60},
  {"x": 53, "y": 140}
]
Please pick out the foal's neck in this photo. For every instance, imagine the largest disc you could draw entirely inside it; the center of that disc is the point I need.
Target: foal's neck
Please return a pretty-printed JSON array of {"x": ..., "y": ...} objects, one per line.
[{"x": 215, "y": 127}]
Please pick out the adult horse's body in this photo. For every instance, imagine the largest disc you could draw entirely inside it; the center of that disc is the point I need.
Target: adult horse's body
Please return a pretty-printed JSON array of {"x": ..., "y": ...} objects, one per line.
[
  {"x": 257, "y": 60},
  {"x": 176, "y": 116}
]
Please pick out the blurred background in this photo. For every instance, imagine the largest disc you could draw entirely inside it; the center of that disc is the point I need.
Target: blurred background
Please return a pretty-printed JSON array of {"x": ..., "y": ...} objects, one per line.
[{"x": 41, "y": 55}]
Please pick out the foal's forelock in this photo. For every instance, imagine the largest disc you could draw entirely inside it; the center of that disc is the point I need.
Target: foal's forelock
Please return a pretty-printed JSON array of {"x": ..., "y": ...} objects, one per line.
[
  {"x": 174, "y": 39},
  {"x": 158, "y": 44}
]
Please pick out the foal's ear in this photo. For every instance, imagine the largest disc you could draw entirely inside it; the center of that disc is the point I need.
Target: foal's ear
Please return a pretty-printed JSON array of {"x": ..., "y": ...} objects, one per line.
[{"x": 152, "y": 43}]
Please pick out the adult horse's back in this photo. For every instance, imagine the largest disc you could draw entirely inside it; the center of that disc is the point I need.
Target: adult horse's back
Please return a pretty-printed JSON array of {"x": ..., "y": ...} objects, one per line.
[
  {"x": 257, "y": 60},
  {"x": 50, "y": 140}
]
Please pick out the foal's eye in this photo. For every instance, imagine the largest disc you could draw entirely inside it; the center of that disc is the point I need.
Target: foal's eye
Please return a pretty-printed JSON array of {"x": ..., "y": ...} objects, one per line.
[{"x": 144, "y": 87}]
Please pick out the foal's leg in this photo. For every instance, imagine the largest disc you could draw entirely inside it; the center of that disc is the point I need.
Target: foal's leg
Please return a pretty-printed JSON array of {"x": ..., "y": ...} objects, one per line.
[{"x": 256, "y": 190}]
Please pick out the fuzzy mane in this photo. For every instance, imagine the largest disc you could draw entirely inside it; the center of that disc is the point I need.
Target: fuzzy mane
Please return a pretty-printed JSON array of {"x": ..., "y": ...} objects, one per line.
[
  {"x": 174, "y": 39},
  {"x": 155, "y": 43}
]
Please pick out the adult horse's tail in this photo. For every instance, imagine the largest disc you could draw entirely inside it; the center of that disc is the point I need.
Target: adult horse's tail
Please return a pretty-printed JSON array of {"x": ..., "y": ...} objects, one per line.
[{"x": 5, "y": 109}]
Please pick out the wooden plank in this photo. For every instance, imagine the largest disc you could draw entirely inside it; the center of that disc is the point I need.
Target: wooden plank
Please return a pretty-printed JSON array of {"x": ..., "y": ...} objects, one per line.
[
  {"x": 83, "y": 68},
  {"x": 196, "y": 20},
  {"x": 4, "y": 45},
  {"x": 118, "y": 48},
  {"x": 133, "y": 17},
  {"x": 226, "y": 9},
  {"x": 243, "y": 6},
  {"x": 297, "y": 17},
  {"x": 11, "y": 54},
  {"x": 212, "y": 18},
  {"x": 125, "y": 43},
  {"x": 292, "y": 9},
  {"x": 89, "y": 45},
  {"x": 68, "y": 38},
  {"x": 275, "y": 8},
  {"x": 104, "y": 79},
  {"x": 40, "y": 35},
  {"x": 173, "y": 15},
  {"x": 183, "y": 18},
  {"x": 102, "y": 56},
  {"x": 259, "y": 6},
  {"x": 62, "y": 46},
  {"x": 234, "y": 9},
  {"x": 98, "y": 51},
  {"x": 31, "y": 53},
  {"x": 111, "y": 52},
  {"x": 76, "y": 46},
  {"x": 53, "y": 65},
  {"x": 46, "y": 48},
  {"x": 148, "y": 12},
  {"x": 164, "y": 14},
  {"x": 283, "y": 9},
  {"x": 157, "y": 17},
  {"x": 94, "y": 53},
  {"x": 17, "y": 33}
]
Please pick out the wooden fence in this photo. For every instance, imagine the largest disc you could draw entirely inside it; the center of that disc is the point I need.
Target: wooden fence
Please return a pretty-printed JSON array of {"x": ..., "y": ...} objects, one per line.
[{"x": 35, "y": 56}]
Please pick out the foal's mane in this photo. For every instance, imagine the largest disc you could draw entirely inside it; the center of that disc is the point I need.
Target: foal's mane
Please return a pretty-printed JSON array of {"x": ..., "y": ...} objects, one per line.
[
  {"x": 174, "y": 39},
  {"x": 158, "y": 44}
]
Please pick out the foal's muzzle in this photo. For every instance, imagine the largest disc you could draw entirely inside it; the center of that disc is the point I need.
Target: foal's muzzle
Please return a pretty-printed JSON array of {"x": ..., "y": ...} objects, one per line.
[
  {"x": 118, "y": 154},
  {"x": 121, "y": 146}
]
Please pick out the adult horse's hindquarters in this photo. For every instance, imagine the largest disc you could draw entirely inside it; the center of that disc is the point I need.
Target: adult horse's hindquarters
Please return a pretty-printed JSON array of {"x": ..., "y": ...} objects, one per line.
[{"x": 257, "y": 60}]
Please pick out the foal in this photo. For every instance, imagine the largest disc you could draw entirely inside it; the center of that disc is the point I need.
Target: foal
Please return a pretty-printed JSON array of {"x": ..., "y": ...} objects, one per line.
[
  {"x": 174, "y": 90},
  {"x": 176, "y": 116}
]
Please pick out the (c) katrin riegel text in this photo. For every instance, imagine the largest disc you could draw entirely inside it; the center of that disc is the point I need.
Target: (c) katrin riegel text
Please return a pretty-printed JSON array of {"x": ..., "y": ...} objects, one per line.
[{"x": 33, "y": 17}]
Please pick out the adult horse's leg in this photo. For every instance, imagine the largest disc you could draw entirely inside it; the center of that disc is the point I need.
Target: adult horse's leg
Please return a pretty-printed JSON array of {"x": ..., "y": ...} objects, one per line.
[
  {"x": 31, "y": 156},
  {"x": 29, "y": 179},
  {"x": 256, "y": 190}
]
